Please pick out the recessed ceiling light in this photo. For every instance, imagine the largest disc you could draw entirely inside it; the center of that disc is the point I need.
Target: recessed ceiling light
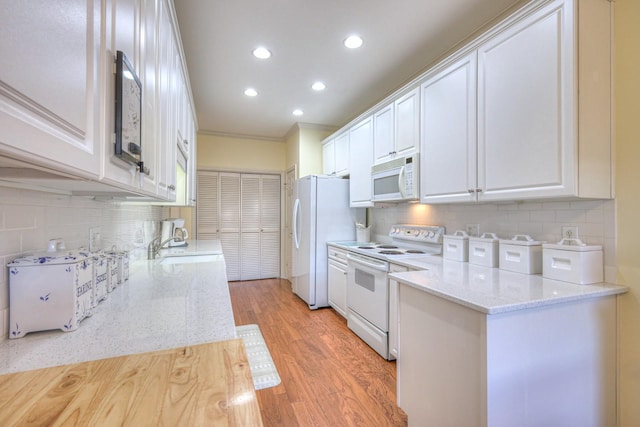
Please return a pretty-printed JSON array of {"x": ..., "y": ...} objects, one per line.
[
  {"x": 298, "y": 112},
  {"x": 353, "y": 42},
  {"x": 318, "y": 86},
  {"x": 261, "y": 52},
  {"x": 250, "y": 91}
]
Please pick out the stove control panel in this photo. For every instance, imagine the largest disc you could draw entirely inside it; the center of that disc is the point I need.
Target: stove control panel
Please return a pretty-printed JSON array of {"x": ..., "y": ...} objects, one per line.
[{"x": 417, "y": 233}]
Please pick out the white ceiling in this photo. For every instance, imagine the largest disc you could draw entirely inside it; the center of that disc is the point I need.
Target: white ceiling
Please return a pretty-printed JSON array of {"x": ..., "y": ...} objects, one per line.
[{"x": 401, "y": 38}]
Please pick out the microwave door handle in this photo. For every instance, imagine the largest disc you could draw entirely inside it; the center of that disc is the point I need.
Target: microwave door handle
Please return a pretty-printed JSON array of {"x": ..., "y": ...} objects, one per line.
[{"x": 401, "y": 181}]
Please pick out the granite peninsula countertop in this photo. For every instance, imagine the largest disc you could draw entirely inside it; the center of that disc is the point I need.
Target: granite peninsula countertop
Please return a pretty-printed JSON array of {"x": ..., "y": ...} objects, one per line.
[
  {"x": 161, "y": 306},
  {"x": 491, "y": 290}
]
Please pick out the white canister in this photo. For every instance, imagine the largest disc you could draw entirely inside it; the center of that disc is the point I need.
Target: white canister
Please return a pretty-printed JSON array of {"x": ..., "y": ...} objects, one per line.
[
  {"x": 112, "y": 271},
  {"x": 456, "y": 246},
  {"x": 101, "y": 277},
  {"x": 483, "y": 250},
  {"x": 521, "y": 254},
  {"x": 52, "y": 290},
  {"x": 572, "y": 261}
]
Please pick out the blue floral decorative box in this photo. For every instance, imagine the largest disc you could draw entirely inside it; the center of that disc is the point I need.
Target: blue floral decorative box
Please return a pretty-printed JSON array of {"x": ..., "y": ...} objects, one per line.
[
  {"x": 53, "y": 290},
  {"x": 100, "y": 277}
]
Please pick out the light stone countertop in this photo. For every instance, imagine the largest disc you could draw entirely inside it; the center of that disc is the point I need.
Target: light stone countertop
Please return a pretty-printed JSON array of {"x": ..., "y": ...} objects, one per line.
[
  {"x": 161, "y": 306},
  {"x": 491, "y": 290}
]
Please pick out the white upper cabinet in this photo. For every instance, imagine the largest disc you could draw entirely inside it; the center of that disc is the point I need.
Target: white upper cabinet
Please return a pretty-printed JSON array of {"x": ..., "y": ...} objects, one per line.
[
  {"x": 125, "y": 24},
  {"x": 383, "y": 138},
  {"x": 361, "y": 144},
  {"x": 407, "y": 123},
  {"x": 543, "y": 103},
  {"x": 57, "y": 101},
  {"x": 49, "y": 84},
  {"x": 397, "y": 127},
  {"x": 448, "y": 152},
  {"x": 335, "y": 155}
]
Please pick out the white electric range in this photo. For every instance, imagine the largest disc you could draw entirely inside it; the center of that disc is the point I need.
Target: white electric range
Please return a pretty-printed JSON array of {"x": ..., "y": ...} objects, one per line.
[{"x": 367, "y": 281}]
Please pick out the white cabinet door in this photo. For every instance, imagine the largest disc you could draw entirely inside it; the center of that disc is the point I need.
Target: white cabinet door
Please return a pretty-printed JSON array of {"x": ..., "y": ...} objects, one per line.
[
  {"x": 407, "y": 123},
  {"x": 329, "y": 157},
  {"x": 397, "y": 127},
  {"x": 383, "y": 135},
  {"x": 525, "y": 109},
  {"x": 337, "y": 287},
  {"x": 50, "y": 92},
  {"x": 448, "y": 150},
  {"x": 361, "y": 144},
  {"x": 342, "y": 154},
  {"x": 335, "y": 155},
  {"x": 393, "y": 311}
]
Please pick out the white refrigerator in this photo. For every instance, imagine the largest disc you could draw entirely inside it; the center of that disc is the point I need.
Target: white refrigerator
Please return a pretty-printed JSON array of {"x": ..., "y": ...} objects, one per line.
[{"x": 321, "y": 214}]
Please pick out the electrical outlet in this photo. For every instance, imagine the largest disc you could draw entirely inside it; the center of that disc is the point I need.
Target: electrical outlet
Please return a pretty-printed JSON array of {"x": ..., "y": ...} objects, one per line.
[
  {"x": 570, "y": 232},
  {"x": 94, "y": 239},
  {"x": 473, "y": 229}
]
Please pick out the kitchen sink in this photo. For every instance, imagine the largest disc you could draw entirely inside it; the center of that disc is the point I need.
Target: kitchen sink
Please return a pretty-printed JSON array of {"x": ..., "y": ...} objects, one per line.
[{"x": 188, "y": 259}]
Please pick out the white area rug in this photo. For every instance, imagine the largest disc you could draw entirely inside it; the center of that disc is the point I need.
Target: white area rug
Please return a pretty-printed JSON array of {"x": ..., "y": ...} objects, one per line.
[{"x": 263, "y": 370}]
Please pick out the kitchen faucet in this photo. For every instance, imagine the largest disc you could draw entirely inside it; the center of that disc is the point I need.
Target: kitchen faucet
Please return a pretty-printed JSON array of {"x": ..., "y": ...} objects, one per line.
[{"x": 155, "y": 245}]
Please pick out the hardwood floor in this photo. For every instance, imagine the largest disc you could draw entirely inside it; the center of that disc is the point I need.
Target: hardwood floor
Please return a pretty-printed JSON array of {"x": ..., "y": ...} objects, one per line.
[{"x": 329, "y": 376}]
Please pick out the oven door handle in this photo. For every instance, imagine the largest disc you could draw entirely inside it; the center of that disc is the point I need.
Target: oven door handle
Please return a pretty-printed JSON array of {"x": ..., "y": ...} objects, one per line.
[{"x": 368, "y": 262}]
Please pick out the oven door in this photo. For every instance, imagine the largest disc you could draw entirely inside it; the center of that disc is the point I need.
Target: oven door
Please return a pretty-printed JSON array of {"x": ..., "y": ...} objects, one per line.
[{"x": 367, "y": 289}]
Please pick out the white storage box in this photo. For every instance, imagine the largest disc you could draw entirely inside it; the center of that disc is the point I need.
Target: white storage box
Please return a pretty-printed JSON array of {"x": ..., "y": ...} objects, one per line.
[
  {"x": 456, "y": 246},
  {"x": 572, "y": 261},
  {"x": 100, "y": 277},
  {"x": 483, "y": 250},
  {"x": 52, "y": 290},
  {"x": 521, "y": 254}
]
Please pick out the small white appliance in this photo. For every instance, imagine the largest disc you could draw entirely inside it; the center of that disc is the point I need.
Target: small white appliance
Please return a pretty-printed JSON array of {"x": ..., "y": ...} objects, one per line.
[
  {"x": 321, "y": 213},
  {"x": 173, "y": 228},
  {"x": 395, "y": 180}
]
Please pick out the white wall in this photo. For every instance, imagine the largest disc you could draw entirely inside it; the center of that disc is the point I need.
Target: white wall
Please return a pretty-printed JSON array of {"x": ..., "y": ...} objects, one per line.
[
  {"x": 28, "y": 219},
  {"x": 542, "y": 220}
]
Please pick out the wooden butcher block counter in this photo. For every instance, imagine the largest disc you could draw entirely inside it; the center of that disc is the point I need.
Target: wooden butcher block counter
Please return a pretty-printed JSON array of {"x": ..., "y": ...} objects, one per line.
[{"x": 200, "y": 385}]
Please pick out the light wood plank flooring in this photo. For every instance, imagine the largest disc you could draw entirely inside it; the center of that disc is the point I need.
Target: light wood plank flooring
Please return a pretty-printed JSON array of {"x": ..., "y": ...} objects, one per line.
[{"x": 329, "y": 376}]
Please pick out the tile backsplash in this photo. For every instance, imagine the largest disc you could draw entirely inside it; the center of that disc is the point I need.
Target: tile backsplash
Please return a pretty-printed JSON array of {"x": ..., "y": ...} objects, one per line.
[
  {"x": 28, "y": 219},
  {"x": 595, "y": 220}
]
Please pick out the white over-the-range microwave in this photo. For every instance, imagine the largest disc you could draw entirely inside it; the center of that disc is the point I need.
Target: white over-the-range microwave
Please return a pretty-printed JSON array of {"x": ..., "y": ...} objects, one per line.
[{"x": 395, "y": 180}]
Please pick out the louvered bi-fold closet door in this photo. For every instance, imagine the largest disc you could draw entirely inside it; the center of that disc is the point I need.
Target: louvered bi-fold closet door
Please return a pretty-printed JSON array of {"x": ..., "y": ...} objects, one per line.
[
  {"x": 207, "y": 217},
  {"x": 270, "y": 226},
  {"x": 230, "y": 213},
  {"x": 260, "y": 226}
]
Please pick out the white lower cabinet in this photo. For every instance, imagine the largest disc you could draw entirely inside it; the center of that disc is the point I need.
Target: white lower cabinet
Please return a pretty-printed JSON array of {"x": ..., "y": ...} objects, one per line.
[
  {"x": 541, "y": 366},
  {"x": 394, "y": 335},
  {"x": 337, "y": 279}
]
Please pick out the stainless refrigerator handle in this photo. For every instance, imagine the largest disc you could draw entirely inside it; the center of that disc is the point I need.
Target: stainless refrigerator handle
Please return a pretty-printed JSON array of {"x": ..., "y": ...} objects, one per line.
[{"x": 296, "y": 209}]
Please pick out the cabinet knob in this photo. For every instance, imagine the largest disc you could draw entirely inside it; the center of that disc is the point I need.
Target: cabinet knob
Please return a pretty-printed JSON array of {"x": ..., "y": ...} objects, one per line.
[
  {"x": 171, "y": 187},
  {"x": 471, "y": 191},
  {"x": 478, "y": 190}
]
